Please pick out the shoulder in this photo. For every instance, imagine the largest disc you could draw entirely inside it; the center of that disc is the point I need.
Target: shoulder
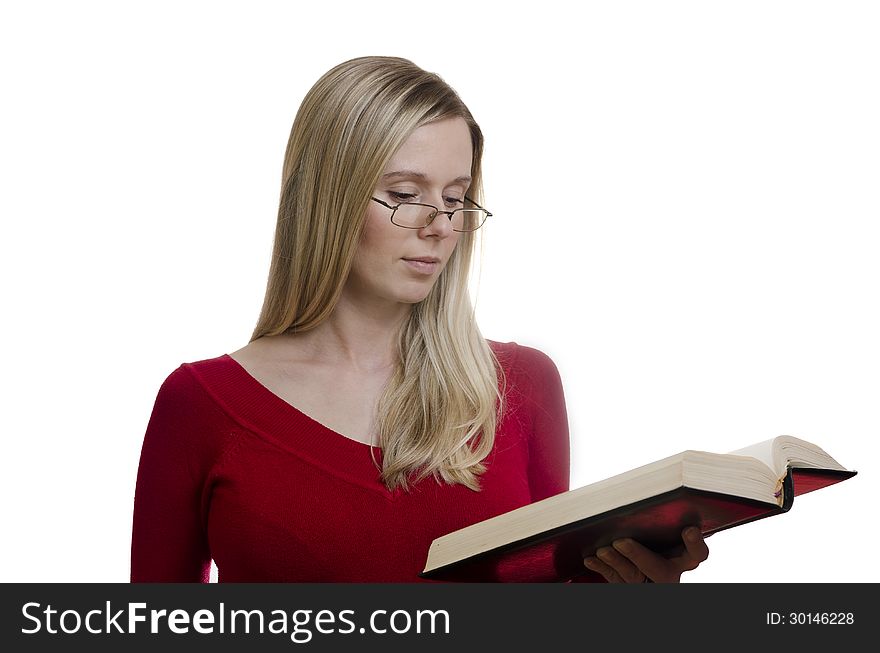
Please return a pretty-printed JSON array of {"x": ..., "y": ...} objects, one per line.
[
  {"x": 189, "y": 372},
  {"x": 191, "y": 382},
  {"x": 188, "y": 431},
  {"x": 523, "y": 360},
  {"x": 189, "y": 412}
]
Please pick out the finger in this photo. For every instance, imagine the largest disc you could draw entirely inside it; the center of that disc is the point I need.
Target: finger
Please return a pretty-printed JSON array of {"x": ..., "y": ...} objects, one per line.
[
  {"x": 695, "y": 545},
  {"x": 594, "y": 564},
  {"x": 646, "y": 562},
  {"x": 624, "y": 567}
]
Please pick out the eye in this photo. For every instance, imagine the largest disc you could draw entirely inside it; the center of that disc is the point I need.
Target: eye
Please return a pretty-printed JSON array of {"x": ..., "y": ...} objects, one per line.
[
  {"x": 452, "y": 202},
  {"x": 401, "y": 197}
]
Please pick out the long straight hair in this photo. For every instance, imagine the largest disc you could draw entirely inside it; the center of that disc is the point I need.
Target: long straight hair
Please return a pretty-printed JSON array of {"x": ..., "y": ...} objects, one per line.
[{"x": 438, "y": 412}]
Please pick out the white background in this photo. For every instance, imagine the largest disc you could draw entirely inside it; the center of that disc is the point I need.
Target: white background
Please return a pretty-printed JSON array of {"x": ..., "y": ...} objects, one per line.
[{"x": 686, "y": 200}]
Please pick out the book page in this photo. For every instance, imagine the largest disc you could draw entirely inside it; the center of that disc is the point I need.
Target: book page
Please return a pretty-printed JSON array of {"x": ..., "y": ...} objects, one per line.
[
  {"x": 763, "y": 451},
  {"x": 784, "y": 450},
  {"x": 800, "y": 453}
]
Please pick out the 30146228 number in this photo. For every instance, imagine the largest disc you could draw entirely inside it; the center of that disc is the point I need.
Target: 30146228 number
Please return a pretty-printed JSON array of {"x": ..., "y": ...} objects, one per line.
[{"x": 810, "y": 618}]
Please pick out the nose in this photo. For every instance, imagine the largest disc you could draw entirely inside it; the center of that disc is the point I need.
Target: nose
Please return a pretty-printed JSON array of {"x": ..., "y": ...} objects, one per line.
[{"x": 440, "y": 225}]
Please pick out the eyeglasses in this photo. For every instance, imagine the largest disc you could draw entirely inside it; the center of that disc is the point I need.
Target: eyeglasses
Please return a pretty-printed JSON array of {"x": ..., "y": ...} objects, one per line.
[{"x": 412, "y": 215}]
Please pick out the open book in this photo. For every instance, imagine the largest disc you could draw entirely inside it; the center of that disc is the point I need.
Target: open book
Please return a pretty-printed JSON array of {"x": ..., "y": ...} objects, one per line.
[{"x": 546, "y": 541}]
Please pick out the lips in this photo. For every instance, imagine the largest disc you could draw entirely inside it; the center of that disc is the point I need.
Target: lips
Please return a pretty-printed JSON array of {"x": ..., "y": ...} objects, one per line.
[
  {"x": 422, "y": 266},
  {"x": 424, "y": 259}
]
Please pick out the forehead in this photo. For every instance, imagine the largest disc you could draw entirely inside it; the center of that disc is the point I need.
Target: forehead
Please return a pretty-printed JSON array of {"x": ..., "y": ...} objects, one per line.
[{"x": 440, "y": 149}]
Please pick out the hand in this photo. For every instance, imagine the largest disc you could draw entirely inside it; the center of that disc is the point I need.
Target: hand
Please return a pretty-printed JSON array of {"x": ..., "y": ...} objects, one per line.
[{"x": 627, "y": 561}]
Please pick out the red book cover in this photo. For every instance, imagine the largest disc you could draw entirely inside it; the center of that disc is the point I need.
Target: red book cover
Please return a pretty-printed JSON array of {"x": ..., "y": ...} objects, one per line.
[{"x": 557, "y": 555}]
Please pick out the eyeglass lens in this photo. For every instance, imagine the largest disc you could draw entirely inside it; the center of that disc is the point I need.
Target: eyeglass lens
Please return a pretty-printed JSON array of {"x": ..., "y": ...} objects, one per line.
[{"x": 417, "y": 216}]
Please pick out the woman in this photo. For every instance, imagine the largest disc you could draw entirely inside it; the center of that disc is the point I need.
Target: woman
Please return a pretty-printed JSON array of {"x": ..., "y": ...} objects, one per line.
[{"x": 367, "y": 415}]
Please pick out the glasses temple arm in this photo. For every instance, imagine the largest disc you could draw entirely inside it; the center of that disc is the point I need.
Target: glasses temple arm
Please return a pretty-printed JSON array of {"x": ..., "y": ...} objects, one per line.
[
  {"x": 385, "y": 204},
  {"x": 475, "y": 204}
]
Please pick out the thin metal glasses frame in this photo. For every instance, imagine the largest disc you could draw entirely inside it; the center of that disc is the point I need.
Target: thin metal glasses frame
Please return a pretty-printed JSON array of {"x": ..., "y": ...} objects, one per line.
[{"x": 434, "y": 215}]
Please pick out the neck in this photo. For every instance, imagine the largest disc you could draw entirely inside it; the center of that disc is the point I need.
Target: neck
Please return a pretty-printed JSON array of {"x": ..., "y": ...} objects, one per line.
[{"x": 361, "y": 339}]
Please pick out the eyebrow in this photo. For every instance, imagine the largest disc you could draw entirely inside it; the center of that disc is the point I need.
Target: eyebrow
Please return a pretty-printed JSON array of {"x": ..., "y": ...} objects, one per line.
[{"x": 421, "y": 175}]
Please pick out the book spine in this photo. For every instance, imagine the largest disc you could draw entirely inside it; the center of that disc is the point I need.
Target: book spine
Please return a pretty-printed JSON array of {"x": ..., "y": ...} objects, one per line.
[{"x": 787, "y": 491}]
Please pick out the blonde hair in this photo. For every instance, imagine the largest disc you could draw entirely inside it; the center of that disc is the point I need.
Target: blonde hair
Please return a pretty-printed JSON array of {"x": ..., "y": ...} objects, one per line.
[{"x": 437, "y": 414}]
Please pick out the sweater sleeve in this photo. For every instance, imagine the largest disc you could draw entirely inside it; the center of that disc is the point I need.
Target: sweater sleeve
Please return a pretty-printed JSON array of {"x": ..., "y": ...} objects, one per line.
[
  {"x": 549, "y": 446},
  {"x": 169, "y": 542}
]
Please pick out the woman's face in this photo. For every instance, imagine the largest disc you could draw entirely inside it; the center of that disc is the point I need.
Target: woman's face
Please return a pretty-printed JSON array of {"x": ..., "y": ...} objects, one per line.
[{"x": 432, "y": 167}]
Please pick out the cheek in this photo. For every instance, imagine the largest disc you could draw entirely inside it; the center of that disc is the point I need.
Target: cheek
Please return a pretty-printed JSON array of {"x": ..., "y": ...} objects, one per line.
[
  {"x": 373, "y": 229},
  {"x": 379, "y": 238},
  {"x": 452, "y": 242}
]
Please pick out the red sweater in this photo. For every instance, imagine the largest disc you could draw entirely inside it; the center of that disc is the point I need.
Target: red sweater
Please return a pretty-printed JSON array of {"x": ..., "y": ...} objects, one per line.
[{"x": 231, "y": 472}]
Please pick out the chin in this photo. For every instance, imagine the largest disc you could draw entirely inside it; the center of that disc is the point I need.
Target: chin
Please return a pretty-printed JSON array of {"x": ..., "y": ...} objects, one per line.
[
  {"x": 413, "y": 294},
  {"x": 413, "y": 297},
  {"x": 414, "y": 300}
]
